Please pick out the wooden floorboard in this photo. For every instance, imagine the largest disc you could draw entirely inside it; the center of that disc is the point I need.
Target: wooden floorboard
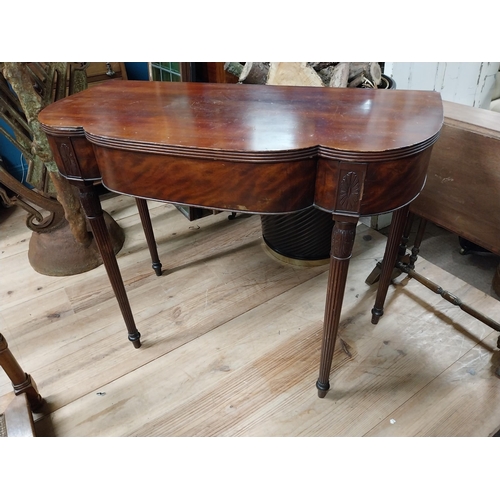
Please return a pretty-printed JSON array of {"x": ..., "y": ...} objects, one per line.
[{"x": 231, "y": 339}]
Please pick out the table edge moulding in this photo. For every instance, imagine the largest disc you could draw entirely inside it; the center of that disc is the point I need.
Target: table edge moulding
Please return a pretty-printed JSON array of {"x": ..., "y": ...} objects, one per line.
[{"x": 250, "y": 148}]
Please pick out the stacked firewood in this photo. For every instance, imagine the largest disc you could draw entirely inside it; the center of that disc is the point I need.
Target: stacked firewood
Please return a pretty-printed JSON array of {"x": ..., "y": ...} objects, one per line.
[{"x": 317, "y": 74}]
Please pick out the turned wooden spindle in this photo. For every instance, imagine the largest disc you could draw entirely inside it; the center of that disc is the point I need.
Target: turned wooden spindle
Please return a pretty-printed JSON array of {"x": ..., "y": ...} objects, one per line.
[{"x": 21, "y": 382}]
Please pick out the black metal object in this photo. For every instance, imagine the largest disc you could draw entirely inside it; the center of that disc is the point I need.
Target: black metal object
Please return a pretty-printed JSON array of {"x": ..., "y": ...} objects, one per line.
[
  {"x": 467, "y": 246},
  {"x": 305, "y": 235}
]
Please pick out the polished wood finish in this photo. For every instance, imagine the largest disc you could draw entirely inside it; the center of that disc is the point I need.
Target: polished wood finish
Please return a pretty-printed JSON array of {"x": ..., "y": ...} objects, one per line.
[
  {"x": 91, "y": 204},
  {"x": 257, "y": 149},
  {"x": 142, "y": 208},
  {"x": 343, "y": 235},
  {"x": 390, "y": 256}
]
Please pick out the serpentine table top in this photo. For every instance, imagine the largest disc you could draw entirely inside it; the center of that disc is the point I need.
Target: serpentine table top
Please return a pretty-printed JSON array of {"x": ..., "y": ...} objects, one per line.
[{"x": 249, "y": 148}]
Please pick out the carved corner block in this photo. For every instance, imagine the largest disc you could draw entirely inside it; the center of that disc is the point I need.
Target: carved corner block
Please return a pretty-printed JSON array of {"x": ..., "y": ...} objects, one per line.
[{"x": 350, "y": 187}]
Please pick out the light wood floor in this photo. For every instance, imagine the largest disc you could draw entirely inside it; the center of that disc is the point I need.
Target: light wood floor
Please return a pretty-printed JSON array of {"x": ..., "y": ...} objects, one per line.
[{"x": 231, "y": 341}]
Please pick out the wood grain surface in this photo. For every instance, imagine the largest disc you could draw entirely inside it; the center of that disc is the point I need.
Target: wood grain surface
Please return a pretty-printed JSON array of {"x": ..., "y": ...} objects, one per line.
[{"x": 231, "y": 341}]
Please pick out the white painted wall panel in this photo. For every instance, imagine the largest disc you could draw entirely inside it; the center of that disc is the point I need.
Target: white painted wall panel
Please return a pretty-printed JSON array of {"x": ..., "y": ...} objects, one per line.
[{"x": 467, "y": 83}]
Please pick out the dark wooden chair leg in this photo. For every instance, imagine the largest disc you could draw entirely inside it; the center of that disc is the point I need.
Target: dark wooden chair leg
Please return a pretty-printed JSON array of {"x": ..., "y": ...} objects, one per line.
[
  {"x": 21, "y": 381},
  {"x": 343, "y": 235},
  {"x": 142, "y": 206},
  {"x": 92, "y": 207},
  {"x": 406, "y": 235},
  {"x": 392, "y": 248},
  {"x": 418, "y": 241}
]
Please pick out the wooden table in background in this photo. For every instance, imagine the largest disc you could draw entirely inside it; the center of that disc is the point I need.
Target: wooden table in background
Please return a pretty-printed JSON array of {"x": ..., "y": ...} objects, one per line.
[{"x": 462, "y": 192}]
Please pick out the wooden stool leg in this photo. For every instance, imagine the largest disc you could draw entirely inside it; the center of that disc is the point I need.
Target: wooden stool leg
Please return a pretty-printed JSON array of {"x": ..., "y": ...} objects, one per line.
[
  {"x": 142, "y": 206},
  {"x": 389, "y": 261},
  {"x": 21, "y": 381},
  {"x": 418, "y": 241},
  {"x": 406, "y": 235},
  {"x": 92, "y": 207},
  {"x": 343, "y": 235}
]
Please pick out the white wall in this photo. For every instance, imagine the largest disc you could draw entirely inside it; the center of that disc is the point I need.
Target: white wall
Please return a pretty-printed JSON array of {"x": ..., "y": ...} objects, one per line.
[{"x": 461, "y": 82}]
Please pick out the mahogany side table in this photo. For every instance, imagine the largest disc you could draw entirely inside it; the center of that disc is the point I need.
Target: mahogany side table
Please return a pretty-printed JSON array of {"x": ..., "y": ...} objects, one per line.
[{"x": 250, "y": 148}]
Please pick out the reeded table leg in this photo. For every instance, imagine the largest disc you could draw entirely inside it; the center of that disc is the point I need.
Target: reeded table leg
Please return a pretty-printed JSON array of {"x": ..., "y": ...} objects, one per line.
[
  {"x": 142, "y": 206},
  {"x": 92, "y": 206},
  {"x": 389, "y": 261},
  {"x": 21, "y": 381},
  {"x": 343, "y": 235}
]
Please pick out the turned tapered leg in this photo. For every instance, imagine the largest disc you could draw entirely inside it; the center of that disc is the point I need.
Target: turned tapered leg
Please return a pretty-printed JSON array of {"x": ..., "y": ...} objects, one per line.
[
  {"x": 398, "y": 223},
  {"x": 142, "y": 206},
  {"x": 92, "y": 207},
  {"x": 21, "y": 381},
  {"x": 343, "y": 235}
]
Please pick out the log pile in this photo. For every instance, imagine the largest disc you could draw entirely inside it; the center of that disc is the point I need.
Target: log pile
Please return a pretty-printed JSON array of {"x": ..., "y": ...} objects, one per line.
[{"x": 317, "y": 74}]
